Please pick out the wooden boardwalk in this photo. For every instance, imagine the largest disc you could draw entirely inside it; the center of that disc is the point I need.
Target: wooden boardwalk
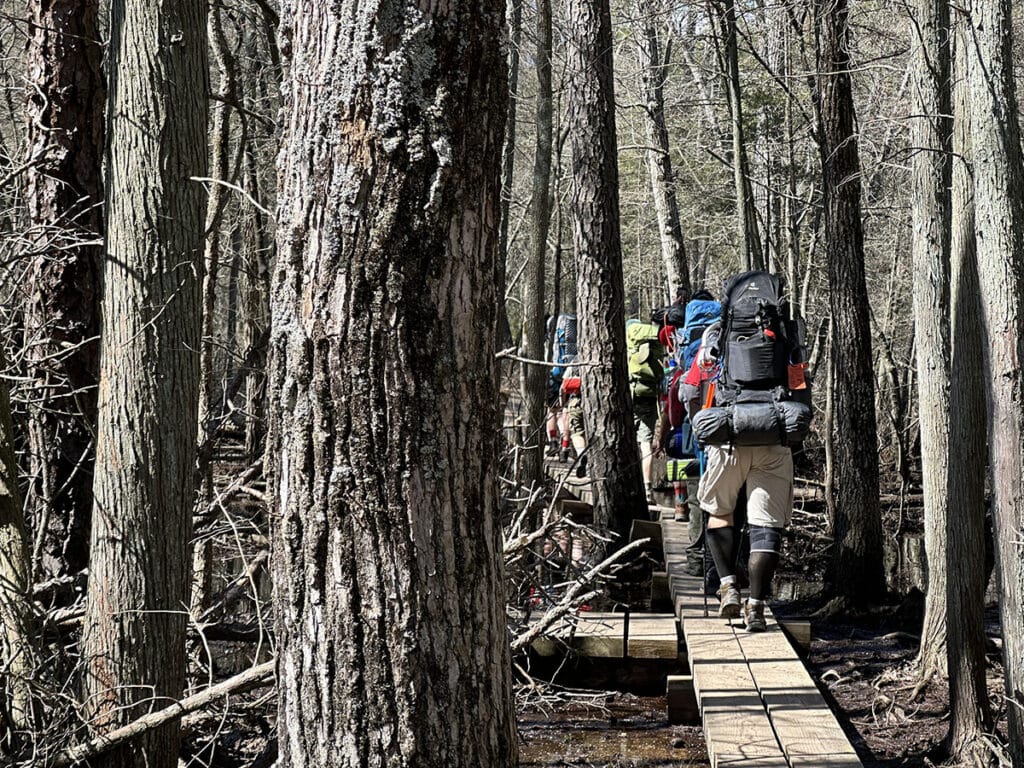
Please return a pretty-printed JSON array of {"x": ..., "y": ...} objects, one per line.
[{"x": 759, "y": 706}]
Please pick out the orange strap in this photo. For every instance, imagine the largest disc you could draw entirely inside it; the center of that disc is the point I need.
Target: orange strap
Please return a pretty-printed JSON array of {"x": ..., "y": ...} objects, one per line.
[{"x": 710, "y": 400}]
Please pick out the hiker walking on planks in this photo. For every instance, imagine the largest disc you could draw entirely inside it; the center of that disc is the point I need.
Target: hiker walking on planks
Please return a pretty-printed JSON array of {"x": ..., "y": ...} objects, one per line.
[
  {"x": 753, "y": 408},
  {"x": 646, "y": 376}
]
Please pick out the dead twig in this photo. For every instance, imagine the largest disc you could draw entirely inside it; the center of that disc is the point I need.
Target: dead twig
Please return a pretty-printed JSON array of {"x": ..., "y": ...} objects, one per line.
[{"x": 254, "y": 677}]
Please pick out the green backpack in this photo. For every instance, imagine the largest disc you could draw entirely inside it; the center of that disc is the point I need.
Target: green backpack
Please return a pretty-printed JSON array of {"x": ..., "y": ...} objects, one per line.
[{"x": 645, "y": 355}]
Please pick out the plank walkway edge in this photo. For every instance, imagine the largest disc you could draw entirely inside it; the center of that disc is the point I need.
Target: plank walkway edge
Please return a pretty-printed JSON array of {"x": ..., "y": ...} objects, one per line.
[{"x": 759, "y": 705}]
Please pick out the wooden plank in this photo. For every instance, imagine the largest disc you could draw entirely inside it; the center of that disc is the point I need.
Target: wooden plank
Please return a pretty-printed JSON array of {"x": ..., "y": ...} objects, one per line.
[
  {"x": 805, "y": 725},
  {"x": 661, "y": 596},
  {"x": 798, "y": 631},
  {"x": 736, "y": 725},
  {"x": 646, "y": 529},
  {"x": 602, "y": 635},
  {"x": 681, "y": 700}
]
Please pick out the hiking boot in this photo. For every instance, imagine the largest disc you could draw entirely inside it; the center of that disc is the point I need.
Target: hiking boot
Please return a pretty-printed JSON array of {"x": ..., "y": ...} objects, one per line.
[
  {"x": 730, "y": 602},
  {"x": 753, "y": 617},
  {"x": 682, "y": 513}
]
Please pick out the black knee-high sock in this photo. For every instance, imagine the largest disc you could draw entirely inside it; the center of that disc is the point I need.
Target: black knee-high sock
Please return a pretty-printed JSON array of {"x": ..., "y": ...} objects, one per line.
[
  {"x": 722, "y": 545},
  {"x": 762, "y": 569}
]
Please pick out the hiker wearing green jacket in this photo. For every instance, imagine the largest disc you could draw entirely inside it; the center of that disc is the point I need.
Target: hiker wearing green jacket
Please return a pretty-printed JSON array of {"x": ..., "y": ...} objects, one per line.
[{"x": 645, "y": 383}]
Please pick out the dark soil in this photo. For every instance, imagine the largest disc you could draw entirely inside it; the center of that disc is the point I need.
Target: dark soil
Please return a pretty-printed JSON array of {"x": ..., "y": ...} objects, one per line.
[{"x": 864, "y": 664}]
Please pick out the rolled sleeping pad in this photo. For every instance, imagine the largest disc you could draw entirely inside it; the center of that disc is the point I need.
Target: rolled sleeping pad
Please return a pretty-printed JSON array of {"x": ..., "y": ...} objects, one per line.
[{"x": 783, "y": 422}]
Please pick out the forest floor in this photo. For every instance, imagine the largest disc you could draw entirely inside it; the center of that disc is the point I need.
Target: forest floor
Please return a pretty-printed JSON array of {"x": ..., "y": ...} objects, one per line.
[{"x": 865, "y": 663}]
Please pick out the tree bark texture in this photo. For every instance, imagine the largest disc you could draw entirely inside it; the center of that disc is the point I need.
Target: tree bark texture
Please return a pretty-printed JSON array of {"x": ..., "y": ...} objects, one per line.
[
  {"x": 15, "y": 610},
  {"x": 659, "y": 160},
  {"x": 535, "y": 377},
  {"x": 965, "y": 522},
  {"x": 751, "y": 253},
  {"x": 386, "y": 554},
  {"x": 856, "y": 568},
  {"x": 134, "y": 631},
  {"x": 64, "y": 205},
  {"x": 614, "y": 461},
  {"x": 220, "y": 132},
  {"x": 930, "y": 213},
  {"x": 508, "y": 163},
  {"x": 999, "y": 224}
]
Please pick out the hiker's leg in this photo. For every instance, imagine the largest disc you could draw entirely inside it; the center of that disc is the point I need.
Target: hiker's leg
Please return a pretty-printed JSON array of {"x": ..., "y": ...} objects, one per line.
[
  {"x": 765, "y": 548},
  {"x": 645, "y": 419},
  {"x": 719, "y": 487},
  {"x": 646, "y": 457},
  {"x": 769, "y": 508},
  {"x": 695, "y": 551}
]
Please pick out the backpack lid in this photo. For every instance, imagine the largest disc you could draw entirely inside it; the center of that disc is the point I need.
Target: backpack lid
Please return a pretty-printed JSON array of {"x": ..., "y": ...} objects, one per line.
[
  {"x": 701, "y": 313},
  {"x": 756, "y": 284}
]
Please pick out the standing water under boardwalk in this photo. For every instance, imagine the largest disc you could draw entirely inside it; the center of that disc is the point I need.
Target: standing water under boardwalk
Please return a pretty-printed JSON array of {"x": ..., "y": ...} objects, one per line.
[{"x": 619, "y": 731}]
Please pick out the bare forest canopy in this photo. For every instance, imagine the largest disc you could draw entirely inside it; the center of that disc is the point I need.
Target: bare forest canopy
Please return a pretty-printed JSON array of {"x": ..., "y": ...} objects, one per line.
[{"x": 272, "y": 276}]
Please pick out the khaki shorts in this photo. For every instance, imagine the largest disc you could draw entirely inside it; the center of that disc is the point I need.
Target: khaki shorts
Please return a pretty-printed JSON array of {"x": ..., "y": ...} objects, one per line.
[
  {"x": 767, "y": 471},
  {"x": 645, "y": 419},
  {"x": 574, "y": 412}
]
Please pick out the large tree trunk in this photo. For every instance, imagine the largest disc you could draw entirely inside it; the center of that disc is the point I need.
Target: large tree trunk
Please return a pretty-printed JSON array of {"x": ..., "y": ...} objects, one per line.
[
  {"x": 931, "y": 291},
  {"x": 856, "y": 568},
  {"x": 133, "y": 643},
  {"x": 614, "y": 462},
  {"x": 63, "y": 199},
  {"x": 999, "y": 206},
  {"x": 653, "y": 69},
  {"x": 389, "y": 591},
  {"x": 751, "y": 253},
  {"x": 535, "y": 377},
  {"x": 965, "y": 522}
]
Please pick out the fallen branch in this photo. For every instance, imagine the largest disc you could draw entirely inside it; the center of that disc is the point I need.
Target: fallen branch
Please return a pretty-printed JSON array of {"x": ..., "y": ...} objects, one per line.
[
  {"x": 568, "y": 600},
  {"x": 509, "y": 354},
  {"x": 254, "y": 677}
]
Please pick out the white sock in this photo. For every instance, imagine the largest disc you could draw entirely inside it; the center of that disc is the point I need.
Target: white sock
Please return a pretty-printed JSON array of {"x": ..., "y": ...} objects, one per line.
[
  {"x": 755, "y": 603},
  {"x": 728, "y": 580}
]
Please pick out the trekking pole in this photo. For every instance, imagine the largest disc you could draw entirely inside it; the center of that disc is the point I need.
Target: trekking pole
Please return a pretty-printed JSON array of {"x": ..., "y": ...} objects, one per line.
[{"x": 704, "y": 560}]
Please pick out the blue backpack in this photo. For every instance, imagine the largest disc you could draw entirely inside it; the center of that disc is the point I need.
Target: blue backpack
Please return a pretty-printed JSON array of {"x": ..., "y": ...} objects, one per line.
[{"x": 699, "y": 315}]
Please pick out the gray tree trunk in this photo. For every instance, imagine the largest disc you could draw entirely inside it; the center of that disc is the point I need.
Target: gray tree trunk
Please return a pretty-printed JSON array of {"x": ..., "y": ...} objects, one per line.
[
  {"x": 133, "y": 642},
  {"x": 856, "y": 568},
  {"x": 965, "y": 522},
  {"x": 614, "y": 461},
  {"x": 508, "y": 162},
  {"x": 751, "y": 253},
  {"x": 386, "y": 555},
  {"x": 220, "y": 132},
  {"x": 535, "y": 377},
  {"x": 15, "y": 610},
  {"x": 64, "y": 199},
  {"x": 653, "y": 69},
  {"x": 999, "y": 210},
  {"x": 930, "y": 211}
]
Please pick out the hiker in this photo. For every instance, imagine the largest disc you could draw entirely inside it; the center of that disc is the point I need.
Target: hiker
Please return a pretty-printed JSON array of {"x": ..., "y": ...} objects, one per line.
[
  {"x": 752, "y": 409},
  {"x": 645, "y": 385},
  {"x": 573, "y": 427},
  {"x": 702, "y": 311},
  {"x": 562, "y": 346}
]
